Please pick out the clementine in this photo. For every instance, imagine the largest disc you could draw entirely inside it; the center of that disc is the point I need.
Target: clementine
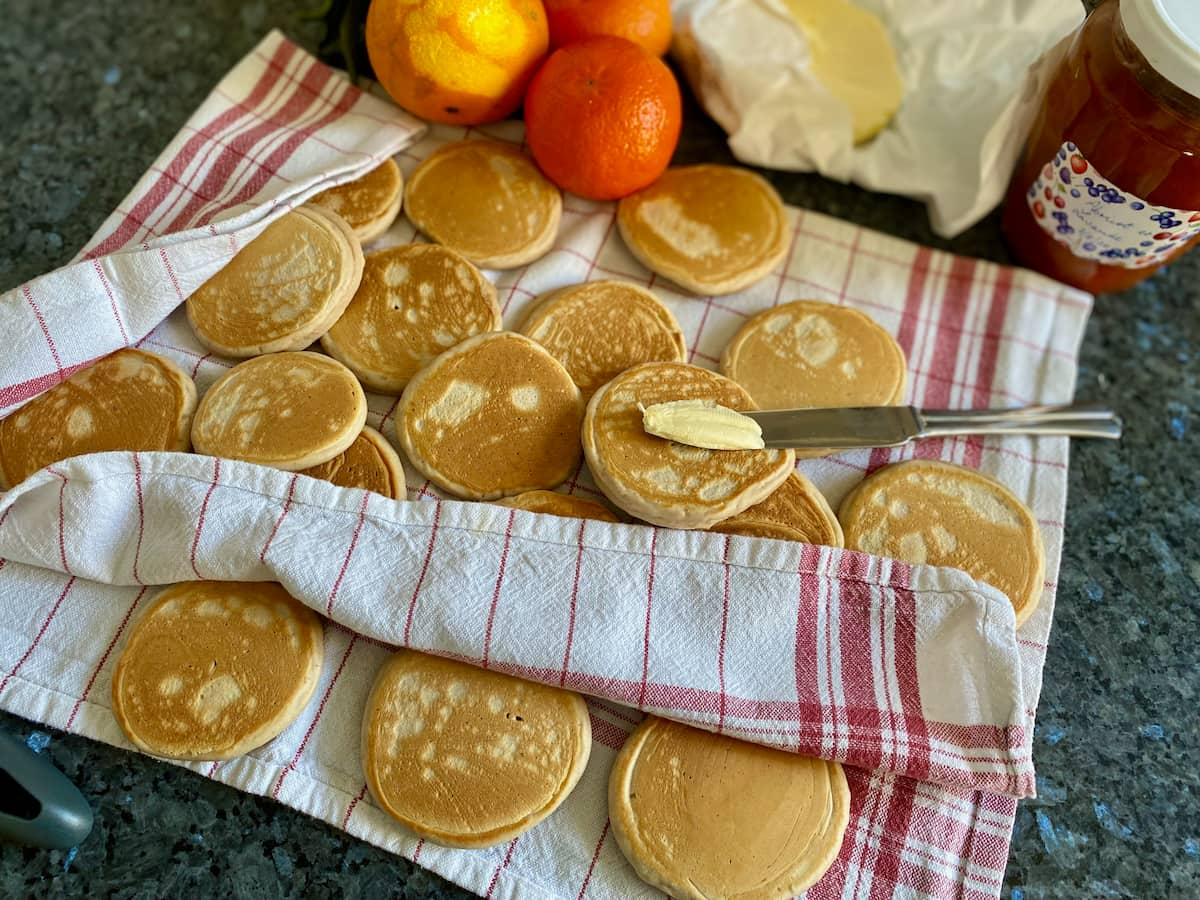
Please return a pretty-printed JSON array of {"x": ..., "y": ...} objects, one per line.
[
  {"x": 464, "y": 62},
  {"x": 602, "y": 117},
  {"x": 645, "y": 22}
]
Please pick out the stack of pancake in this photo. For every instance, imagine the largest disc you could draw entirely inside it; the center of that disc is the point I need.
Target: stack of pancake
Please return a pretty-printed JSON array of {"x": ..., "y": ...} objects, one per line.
[{"x": 471, "y": 758}]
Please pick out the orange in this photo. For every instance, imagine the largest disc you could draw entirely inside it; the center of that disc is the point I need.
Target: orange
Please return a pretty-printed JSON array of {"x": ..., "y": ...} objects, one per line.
[
  {"x": 464, "y": 62},
  {"x": 602, "y": 117},
  {"x": 645, "y": 22}
]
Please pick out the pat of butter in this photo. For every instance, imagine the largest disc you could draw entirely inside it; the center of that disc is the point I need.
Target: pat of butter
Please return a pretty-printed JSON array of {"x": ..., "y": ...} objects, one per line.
[
  {"x": 702, "y": 423},
  {"x": 854, "y": 59}
]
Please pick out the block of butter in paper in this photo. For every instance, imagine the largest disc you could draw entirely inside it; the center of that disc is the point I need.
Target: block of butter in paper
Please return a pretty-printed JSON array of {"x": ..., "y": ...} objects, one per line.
[
  {"x": 853, "y": 59},
  {"x": 791, "y": 96}
]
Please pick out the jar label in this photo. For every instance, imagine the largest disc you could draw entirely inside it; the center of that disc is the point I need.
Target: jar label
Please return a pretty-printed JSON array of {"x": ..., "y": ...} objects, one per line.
[{"x": 1096, "y": 220}]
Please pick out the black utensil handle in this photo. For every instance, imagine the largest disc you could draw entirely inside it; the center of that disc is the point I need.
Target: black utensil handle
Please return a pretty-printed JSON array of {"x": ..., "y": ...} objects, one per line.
[{"x": 38, "y": 803}]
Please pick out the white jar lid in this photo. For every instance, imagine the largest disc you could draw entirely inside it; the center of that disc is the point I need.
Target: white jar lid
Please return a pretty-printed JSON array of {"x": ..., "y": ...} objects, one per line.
[{"x": 1168, "y": 34}]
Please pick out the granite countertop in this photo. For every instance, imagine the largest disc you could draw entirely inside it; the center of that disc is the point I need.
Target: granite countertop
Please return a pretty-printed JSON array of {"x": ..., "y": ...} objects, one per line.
[{"x": 91, "y": 93}]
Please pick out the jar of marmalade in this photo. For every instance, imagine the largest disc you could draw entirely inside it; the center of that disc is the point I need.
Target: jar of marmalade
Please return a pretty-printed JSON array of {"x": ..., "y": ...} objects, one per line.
[{"x": 1108, "y": 189}]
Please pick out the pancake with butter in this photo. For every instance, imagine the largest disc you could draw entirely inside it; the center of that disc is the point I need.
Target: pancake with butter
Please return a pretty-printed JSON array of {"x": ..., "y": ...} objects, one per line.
[
  {"x": 556, "y": 504},
  {"x": 495, "y": 416},
  {"x": 414, "y": 302},
  {"x": 214, "y": 669},
  {"x": 712, "y": 229},
  {"x": 664, "y": 482},
  {"x": 813, "y": 354},
  {"x": 282, "y": 290},
  {"x": 486, "y": 200},
  {"x": 601, "y": 328},
  {"x": 795, "y": 511},
  {"x": 701, "y": 815},
  {"x": 129, "y": 400},
  {"x": 369, "y": 204},
  {"x": 369, "y": 463},
  {"x": 466, "y": 757},
  {"x": 935, "y": 513},
  {"x": 287, "y": 410}
]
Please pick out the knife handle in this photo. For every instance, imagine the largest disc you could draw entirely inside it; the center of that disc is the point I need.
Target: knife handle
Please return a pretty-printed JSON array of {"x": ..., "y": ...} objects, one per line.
[
  {"x": 1072, "y": 421},
  {"x": 38, "y": 804}
]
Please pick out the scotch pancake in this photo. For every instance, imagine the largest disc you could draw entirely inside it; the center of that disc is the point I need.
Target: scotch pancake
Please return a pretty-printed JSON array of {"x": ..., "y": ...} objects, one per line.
[
  {"x": 414, "y": 301},
  {"x": 702, "y": 815},
  {"x": 282, "y": 290},
  {"x": 556, "y": 504},
  {"x": 599, "y": 329},
  {"x": 941, "y": 514},
  {"x": 794, "y": 511},
  {"x": 813, "y": 354},
  {"x": 287, "y": 410},
  {"x": 486, "y": 200},
  {"x": 214, "y": 669},
  {"x": 760, "y": 529},
  {"x": 369, "y": 204},
  {"x": 495, "y": 416},
  {"x": 664, "y": 482},
  {"x": 369, "y": 463},
  {"x": 712, "y": 229},
  {"x": 129, "y": 400},
  {"x": 466, "y": 757}
]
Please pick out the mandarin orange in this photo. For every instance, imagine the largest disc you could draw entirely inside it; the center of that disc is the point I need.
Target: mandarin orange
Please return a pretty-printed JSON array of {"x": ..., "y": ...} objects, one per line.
[
  {"x": 602, "y": 117},
  {"x": 464, "y": 62},
  {"x": 645, "y": 22}
]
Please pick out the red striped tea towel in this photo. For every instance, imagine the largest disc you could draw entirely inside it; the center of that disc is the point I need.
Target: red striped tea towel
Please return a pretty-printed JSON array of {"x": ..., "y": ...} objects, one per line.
[
  {"x": 912, "y": 675},
  {"x": 279, "y": 128}
]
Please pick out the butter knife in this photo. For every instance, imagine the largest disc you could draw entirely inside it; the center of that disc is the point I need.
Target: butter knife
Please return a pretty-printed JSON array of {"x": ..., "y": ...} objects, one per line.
[{"x": 892, "y": 426}]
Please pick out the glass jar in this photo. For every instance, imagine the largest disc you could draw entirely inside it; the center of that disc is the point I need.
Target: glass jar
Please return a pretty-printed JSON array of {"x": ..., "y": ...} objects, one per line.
[{"x": 1108, "y": 188}]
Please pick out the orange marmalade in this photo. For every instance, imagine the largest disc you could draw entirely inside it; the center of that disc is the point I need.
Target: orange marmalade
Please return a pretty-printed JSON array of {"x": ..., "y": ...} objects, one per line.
[{"x": 1108, "y": 189}]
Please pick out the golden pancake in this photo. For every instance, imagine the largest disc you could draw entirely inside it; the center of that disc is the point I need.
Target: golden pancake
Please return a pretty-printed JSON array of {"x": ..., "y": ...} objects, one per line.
[
  {"x": 369, "y": 204},
  {"x": 214, "y": 669},
  {"x": 486, "y": 200},
  {"x": 759, "y": 529},
  {"x": 556, "y": 504},
  {"x": 369, "y": 463},
  {"x": 495, "y": 416},
  {"x": 470, "y": 758},
  {"x": 287, "y": 410},
  {"x": 129, "y": 400},
  {"x": 713, "y": 229},
  {"x": 664, "y": 482},
  {"x": 701, "y": 815},
  {"x": 795, "y": 511},
  {"x": 813, "y": 354},
  {"x": 282, "y": 290},
  {"x": 929, "y": 512},
  {"x": 601, "y": 328},
  {"x": 414, "y": 302}
]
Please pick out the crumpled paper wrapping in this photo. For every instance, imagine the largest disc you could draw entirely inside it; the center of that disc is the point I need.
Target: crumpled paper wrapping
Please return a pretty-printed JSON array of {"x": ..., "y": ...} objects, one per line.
[{"x": 970, "y": 94}]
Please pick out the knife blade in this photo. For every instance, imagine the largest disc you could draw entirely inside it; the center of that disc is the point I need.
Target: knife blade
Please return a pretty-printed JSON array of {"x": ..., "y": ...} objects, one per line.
[
  {"x": 892, "y": 426},
  {"x": 802, "y": 429}
]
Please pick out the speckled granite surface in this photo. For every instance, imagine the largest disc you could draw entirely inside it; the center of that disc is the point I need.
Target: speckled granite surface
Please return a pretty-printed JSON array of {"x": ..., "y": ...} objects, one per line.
[{"x": 91, "y": 91}]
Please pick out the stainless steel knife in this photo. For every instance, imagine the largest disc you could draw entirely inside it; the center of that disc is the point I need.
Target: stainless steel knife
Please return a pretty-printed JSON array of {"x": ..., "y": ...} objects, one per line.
[{"x": 891, "y": 426}]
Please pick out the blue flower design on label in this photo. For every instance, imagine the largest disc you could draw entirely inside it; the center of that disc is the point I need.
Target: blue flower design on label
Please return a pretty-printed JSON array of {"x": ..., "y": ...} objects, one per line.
[{"x": 1074, "y": 203}]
